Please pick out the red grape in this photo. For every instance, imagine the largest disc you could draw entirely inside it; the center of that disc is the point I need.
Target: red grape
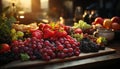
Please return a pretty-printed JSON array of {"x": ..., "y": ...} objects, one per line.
[
  {"x": 49, "y": 52},
  {"x": 70, "y": 50},
  {"x": 47, "y": 49},
  {"x": 60, "y": 47},
  {"x": 47, "y": 58},
  {"x": 53, "y": 55},
  {"x": 39, "y": 46},
  {"x": 68, "y": 45},
  {"x": 65, "y": 50},
  {"x": 66, "y": 42},
  {"x": 62, "y": 55},
  {"x": 77, "y": 53}
]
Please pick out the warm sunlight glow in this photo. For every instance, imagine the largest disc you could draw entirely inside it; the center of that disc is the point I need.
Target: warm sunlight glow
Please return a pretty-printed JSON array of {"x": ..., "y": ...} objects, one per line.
[
  {"x": 44, "y": 4},
  {"x": 26, "y": 5},
  {"x": 23, "y": 4},
  {"x": 21, "y": 12}
]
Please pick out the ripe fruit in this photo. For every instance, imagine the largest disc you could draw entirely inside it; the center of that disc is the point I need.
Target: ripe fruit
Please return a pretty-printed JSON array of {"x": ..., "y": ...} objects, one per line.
[
  {"x": 60, "y": 33},
  {"x": 115, "y": 26},
  {"x": 46, "y": 48},
  {"x": 107, "y": 23},
  {"x": 65, "y": 50},
  {"x": 60, "y": 47},
  {"x": 82, "y": 25},
  {"x": 98, "y": 26},
  {"x": 78, "y": 30},
  {"x": 48, "y": 33},
  {"x": 47, "y": 43},
  {"x": 63, "y": 33},
  {"x": 47, "y": 26},
  {"x": 4, "y": 48},
  {"x": 20, "y": 34},
  {"x": 88, "y": 46},
  {"x": 15, "y": 37},
  {"x": 37, "y": 34},
  {"x": 41, "y": 26},
  {"x": 99, "y": 20},
  {"x": 115, "y": 19},
  {"x": 13, "y": 31},
  {"x": 67, "y": 28},
  {"x": 70, "y": 50},
  {"x": 101, "y": 40}
]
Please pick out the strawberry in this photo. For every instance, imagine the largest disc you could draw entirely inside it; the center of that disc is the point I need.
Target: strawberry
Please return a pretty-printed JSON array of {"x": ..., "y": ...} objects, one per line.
[
  {"x": 63, "y": 33},
  {"x": 41, "y": 26},
  {"x": 37, "y": 34},
  {"x": 48, "y": 33},
  {"x": 47, "y": 26},
  {"x": 60, "y": 33}
]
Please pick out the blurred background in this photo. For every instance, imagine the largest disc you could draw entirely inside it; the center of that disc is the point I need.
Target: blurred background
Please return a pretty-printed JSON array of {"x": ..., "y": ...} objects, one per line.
[{"x": 28, "y": 11}]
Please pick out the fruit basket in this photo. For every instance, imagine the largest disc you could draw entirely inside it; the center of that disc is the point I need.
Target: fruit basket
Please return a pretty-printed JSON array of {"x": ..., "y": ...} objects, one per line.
[
  {"x": 109, "y": 24},
  {"x": 107, "y": 33}
]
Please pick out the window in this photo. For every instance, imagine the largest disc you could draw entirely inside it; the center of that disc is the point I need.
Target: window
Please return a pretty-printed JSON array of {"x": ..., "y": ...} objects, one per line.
[{"x": 44, "y": 4}]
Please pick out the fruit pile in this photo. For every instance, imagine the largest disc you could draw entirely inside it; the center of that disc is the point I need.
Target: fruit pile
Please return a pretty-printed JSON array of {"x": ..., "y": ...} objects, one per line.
[
  {"x": 5, "y": 53},
  {"x": 46, "y": 49},
  {"x": 88, "y": 46},
  {"x": 84, "y": 26},
  {"x": 24, "y": 28},
  {"x": 91, "y": 44},
  {"x": 44, "y": 41},
  {"x": 113, "y": 23},
  {"x": 48, "y": 41}
]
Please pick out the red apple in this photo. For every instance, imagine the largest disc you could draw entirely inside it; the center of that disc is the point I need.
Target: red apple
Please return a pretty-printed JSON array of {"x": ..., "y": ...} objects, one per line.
[
  {"x": 107, "y": 23},
  {"x": 99, "y": 20},
  {"x": 4, "y": 48},
  {"x": 78, "y": 30},
  {"x": 115, "y": 19},
  {"x": 115, "y": 26}
]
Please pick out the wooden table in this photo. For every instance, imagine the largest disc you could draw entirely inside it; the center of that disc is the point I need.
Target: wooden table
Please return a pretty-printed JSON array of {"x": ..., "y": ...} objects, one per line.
[{"x": 104, "y": 61}]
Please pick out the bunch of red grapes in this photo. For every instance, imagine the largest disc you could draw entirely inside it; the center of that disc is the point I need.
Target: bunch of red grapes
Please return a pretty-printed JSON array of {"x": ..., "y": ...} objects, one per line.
[{"x": 46, "y": 48}]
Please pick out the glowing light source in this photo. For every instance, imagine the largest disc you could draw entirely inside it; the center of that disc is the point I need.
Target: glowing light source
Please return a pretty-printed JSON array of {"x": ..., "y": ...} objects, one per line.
[
  {"x": 21, "y": 12},
  {"x": 22, "y": 17},
  {"x": 61, "y": 20}
]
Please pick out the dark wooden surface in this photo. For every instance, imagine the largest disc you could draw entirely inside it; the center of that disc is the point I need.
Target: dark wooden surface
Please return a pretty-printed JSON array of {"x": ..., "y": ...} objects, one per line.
[{"x": 110, "y": 61}]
